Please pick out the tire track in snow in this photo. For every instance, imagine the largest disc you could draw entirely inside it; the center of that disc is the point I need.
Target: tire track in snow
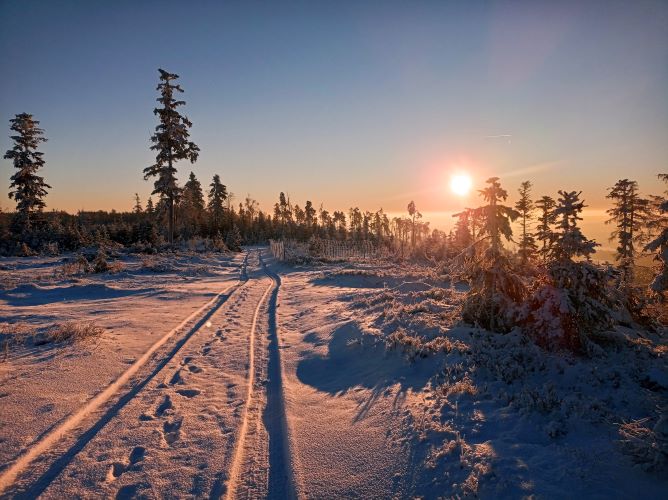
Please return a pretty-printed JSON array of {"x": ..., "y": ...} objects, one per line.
[
  {"x": 9, "y": 476},
  {"x": 238, "y": 455},
  {"x": 282, "y": 482},
  {"x": 282, "y": 478}
]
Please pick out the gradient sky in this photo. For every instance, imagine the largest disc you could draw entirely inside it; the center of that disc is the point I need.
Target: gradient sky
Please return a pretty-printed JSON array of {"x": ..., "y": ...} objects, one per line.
[{"x": 344, "y": 103}]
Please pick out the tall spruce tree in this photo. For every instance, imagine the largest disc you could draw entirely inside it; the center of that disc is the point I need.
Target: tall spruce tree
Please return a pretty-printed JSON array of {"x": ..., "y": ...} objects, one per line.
[
  {"x": 496, "y": 290},
  {"x": 629, "y": 214},
  {"x": 217, "y": 197},
  {"x": 525, "y": 206},
  {"x": 171, "y": 141},
  {"x": 546, "y": 219},
  {"x": 26, "y": 187},
  {"x": 191, "y": 206}
]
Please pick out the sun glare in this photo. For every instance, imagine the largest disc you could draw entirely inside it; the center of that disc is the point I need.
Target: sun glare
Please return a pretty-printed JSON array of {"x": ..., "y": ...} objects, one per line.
[{"x": 461, "y": 184}]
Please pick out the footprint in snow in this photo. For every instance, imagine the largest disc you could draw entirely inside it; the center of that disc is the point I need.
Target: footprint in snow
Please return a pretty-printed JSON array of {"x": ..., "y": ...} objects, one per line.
[
  {"x": 171, "y": 431},
  {"x": 164, "y": 406},
  {"x": 188, "y": 393}
]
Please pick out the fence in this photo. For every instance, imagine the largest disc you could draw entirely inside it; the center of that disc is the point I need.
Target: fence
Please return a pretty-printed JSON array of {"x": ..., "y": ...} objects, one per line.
[{"x": 328, "y": 249}]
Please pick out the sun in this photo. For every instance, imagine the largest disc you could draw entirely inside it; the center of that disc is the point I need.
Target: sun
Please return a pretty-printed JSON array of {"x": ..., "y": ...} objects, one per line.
[{"x": 461, "y": 184}]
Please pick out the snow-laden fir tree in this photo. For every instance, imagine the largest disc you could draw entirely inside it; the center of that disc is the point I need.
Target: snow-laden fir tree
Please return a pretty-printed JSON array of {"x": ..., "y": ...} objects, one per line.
[
  {"x": 171, "y": 141},
  {"x": 659, "y": 245},
  {"x": 628, "y": 214},
  {"x": 233, "y": 239},
  {"x": 568, "y": 240},
  {"x": 525, "y": 206},
  {"x": 26, "y": 187},
  {"x": 496, "y": 289},
  {"x": 574, "y": 300},
  {"x": 191, "y": 207},
  {"x": 216, "y": 207},
  {"x": 546, "y": 219}
]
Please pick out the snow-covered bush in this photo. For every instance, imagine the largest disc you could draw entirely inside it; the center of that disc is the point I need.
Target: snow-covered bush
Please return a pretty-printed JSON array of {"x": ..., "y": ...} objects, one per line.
[
  {"x": 574, "y": 298},
  {"x": 647, "y": 446},
  {"x": 570, "y": 302}
]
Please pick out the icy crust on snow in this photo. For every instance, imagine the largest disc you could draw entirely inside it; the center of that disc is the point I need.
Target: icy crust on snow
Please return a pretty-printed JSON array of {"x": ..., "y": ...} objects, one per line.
[
  {"x": 43, "y": 382},
  {"x": 500, "y": 416}
]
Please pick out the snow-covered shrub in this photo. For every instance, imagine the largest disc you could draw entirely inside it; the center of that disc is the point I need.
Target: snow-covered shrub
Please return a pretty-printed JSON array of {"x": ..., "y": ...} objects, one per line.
[
  {"x": 70, "y": 331},
  {"x": 571, "y": 303},
  {"x": 156, "y": 265},
  {"x": 78, "y": 265},
  {"x": 647, "y": 446}
]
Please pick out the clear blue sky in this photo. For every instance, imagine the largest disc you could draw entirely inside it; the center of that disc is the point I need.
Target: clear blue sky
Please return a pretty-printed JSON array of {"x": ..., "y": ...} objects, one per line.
[{"x": 346, "y": 103}]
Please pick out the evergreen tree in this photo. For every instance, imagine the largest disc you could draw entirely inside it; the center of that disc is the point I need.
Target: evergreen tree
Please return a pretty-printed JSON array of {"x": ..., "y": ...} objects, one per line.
[
  {"x": 574, "y": 300},
  {"x": 217, "y": 197},
  {"x": 137, "y": 208},
  {"x": 171, "y": 143},
  {"x": 496, "y": 290},
  {"x": 497, "y": 217},
  {"x": 26, "y": 187},
  {"x": 660, "y": 246},
  {"x": 546, "y": 219},
  {"x": 191, "y": 206},
  {"x": 193, "y": 195},
  {"x": 525, "y": 207},
  {"x": 568, "y": 242},
  {"x": 149, "y": 206},
  {"x": 310, "y": 214},
  {"x": 414, "y": 215},
  {"x": 628, "y": 213},
  {"x": 233, "y": 239}
]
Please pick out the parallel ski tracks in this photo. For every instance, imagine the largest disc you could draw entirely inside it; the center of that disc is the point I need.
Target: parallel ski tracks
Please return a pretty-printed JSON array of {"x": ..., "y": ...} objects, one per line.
[
  {"x": 282, "y": 481},
  {"x": 67, "y": 427}
]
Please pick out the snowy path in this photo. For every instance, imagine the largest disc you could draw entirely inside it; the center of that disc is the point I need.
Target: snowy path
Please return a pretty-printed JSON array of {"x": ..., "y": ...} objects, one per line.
[
  {"x": 261, "y": 393},
  {"x": 196, "y": 401}
]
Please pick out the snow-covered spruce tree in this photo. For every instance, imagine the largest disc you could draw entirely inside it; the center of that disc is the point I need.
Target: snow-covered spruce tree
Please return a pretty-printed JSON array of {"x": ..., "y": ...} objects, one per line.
[
  {"x": 233, "y": 239},
  {"x": 659, "y": 245},
  {"x": 216, "y": 207},
  {"x": 574, "y": 300},
  {"x": 26, "y": 187},
  {"x": 628, "y": 214},
  {"x": 527, "y": 244},
  {"x": 171, "y": 143},
  {"x": 191, "y": 207},
  {"x": 496, "y": 289},
  {"x": 149, "y": 206},
  {"x": 546, "y": 219}
]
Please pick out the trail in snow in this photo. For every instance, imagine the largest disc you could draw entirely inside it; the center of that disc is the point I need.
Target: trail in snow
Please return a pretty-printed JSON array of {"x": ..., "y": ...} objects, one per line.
[{"x": 66, "y": 427}]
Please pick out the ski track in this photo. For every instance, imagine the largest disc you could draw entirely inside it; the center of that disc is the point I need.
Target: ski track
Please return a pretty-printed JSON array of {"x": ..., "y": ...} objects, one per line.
[
  {"x": 161, "y": 420},
  {"x": 62, "y": 430},
  {"x": 263, "y": 465}
]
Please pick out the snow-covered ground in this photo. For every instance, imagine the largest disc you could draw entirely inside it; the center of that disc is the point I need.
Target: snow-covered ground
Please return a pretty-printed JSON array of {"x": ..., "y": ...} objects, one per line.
[{"x": 323, "y": 381}]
